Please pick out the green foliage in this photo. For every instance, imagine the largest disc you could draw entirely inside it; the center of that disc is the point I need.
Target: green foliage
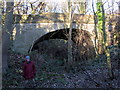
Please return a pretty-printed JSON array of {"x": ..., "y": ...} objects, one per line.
[
  {"x": 99, "y": 14},
  {"x": 99, "y": 6},
  {"x": 101, "y": 27}
]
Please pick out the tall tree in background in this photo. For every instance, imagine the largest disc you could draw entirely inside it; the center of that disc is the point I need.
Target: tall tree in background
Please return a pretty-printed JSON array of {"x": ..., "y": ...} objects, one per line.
[
  {"x": 70, "y": 57},
  {"x": 6, "y": 34},
  {"x": 103, "y": 46},
  {"x": 95, "y": 27},
  {"x": 82, "y": 9},
  {"x": 101, "y": 26},
  {"x": 117, "y": 27}
]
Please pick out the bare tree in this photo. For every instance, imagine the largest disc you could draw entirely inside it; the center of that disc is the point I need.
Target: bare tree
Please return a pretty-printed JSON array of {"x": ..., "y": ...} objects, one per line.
[
  {"x": 95, "y": 27},
  {"x": 70, "y": 58},
  {"x": 7, "y": 32}
]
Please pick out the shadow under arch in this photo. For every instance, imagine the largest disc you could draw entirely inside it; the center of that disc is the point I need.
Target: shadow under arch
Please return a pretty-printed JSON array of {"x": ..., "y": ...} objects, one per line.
[{"x": 84, "y": 40}]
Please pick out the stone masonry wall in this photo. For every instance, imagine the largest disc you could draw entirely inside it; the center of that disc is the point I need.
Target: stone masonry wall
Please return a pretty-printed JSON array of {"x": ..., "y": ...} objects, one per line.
[{"x": 25, "y": 34}]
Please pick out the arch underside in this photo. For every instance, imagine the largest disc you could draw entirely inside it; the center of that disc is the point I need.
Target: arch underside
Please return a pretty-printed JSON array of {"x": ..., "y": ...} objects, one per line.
[{"x": 80, "y": 37}]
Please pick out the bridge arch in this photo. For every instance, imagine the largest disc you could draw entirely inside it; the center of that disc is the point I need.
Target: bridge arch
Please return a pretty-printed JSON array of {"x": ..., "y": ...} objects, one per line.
[{"x": 84, "y": 41}]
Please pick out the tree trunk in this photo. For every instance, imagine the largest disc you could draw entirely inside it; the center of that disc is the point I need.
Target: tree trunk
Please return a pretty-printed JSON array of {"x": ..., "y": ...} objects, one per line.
[
  {"x": 102, "y": 36},
  {"x": 107, "y": 51},
  {"x": 103, "y": 27},
  {"x": 70, "y": 57},
  {"x": 95, "y": 28},
  {"x": 6, "y": 34},
  {"x": 0, "y": 48}
]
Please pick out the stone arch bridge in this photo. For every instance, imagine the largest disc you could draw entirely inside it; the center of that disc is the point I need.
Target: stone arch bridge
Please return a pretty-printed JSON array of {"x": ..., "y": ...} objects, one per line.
[{"x": 25, "y": 34}]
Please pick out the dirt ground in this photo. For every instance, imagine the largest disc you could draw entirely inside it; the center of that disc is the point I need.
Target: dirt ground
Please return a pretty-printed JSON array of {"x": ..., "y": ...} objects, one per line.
[{"x": 52, "y": 74}]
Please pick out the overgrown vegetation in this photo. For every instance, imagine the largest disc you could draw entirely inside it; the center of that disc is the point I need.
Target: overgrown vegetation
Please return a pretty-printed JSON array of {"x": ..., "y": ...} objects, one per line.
[
  {"x": 51, "y": 71},
  {"x": 66, "y": 64}
]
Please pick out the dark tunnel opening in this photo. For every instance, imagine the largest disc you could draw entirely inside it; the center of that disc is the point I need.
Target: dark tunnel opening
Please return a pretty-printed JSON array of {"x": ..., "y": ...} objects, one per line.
[{"x": 81, "y": 39}]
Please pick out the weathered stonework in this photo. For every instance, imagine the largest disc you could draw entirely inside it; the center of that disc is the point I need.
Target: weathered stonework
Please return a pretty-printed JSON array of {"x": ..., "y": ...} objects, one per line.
[
  {"x": 25, "y": 34},
  {"x": 27, "y": 29}
]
